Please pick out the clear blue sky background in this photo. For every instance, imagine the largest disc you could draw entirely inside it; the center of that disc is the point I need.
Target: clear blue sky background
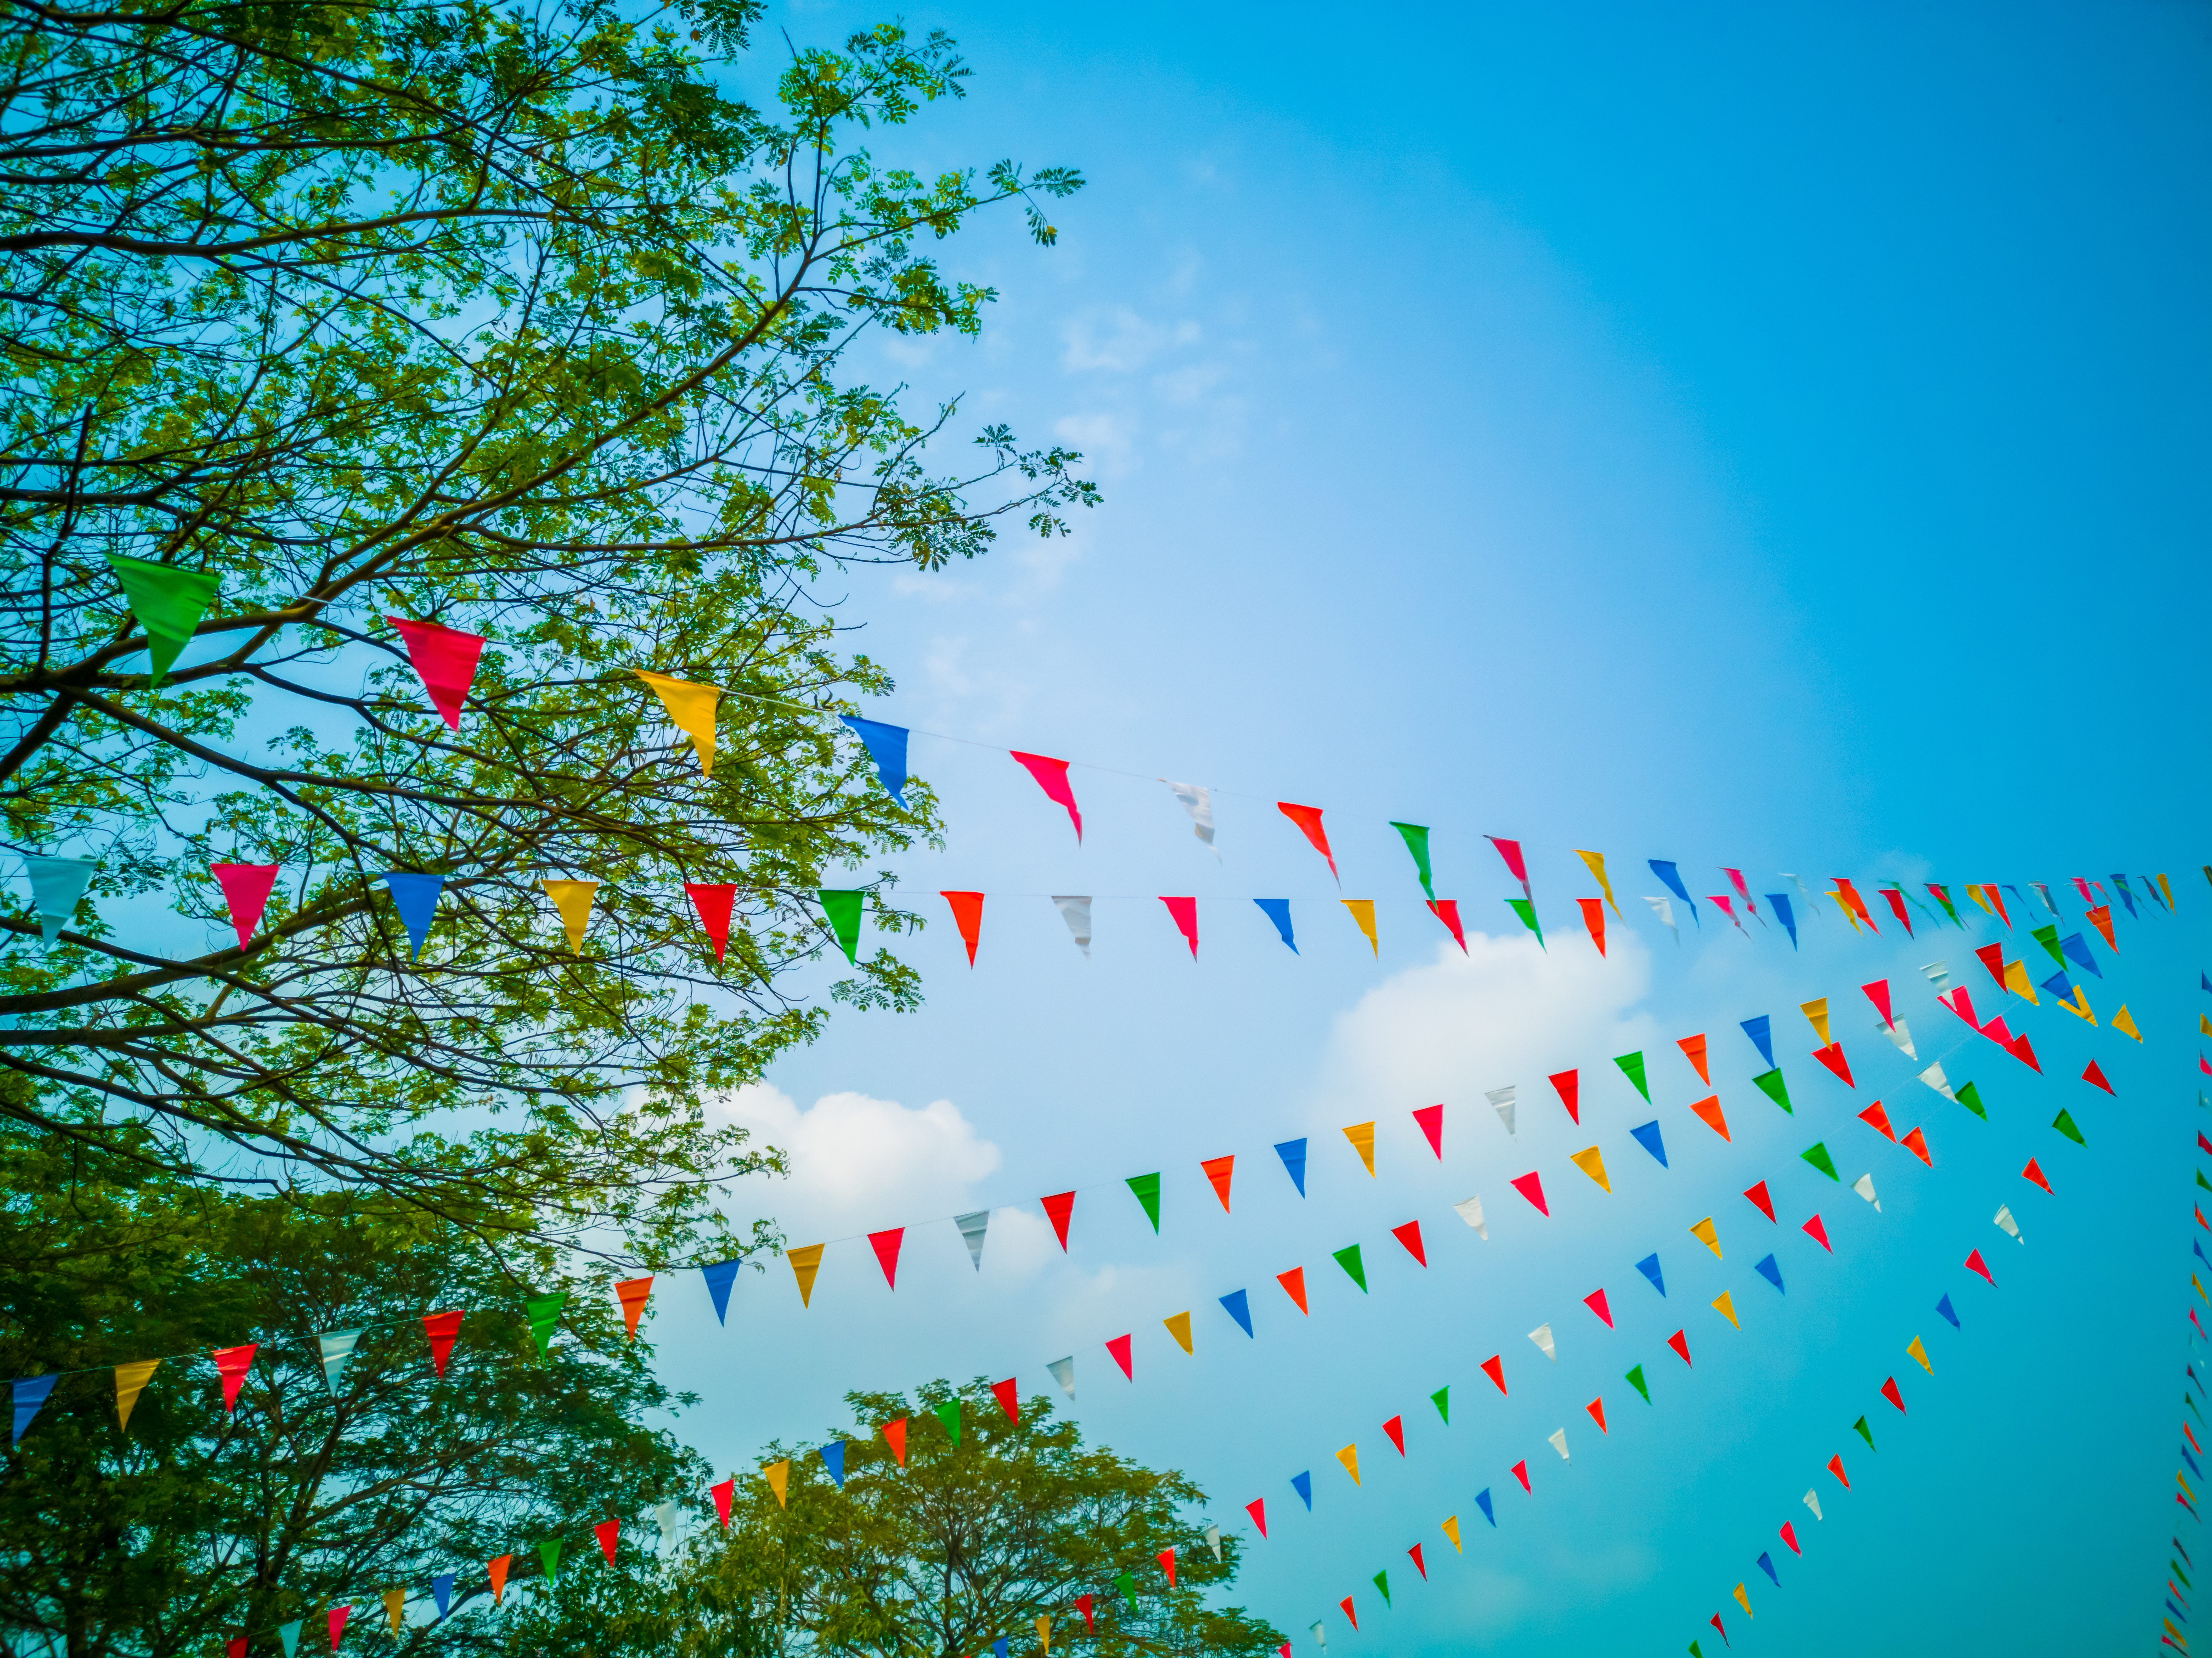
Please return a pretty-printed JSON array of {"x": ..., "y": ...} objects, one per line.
[{"x": 1770, "y": 436}]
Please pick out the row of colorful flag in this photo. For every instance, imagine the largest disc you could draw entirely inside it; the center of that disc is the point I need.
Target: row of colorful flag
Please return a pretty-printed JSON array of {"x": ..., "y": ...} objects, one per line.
[{"x": 2177, "y": 1593}]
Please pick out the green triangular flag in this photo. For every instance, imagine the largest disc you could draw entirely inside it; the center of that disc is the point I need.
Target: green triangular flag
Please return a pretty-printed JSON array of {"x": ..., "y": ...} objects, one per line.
[
  {"x": 843, "y": 911},
  {"x": 1631, "y": 1066},
  {"x": 1818, "y": 1157},
  {"x": 1865, "y": 1432},
  {"x": 2048, "y": 937},
  {"x": 1382, "y": 1582},
  {"x": 168, "y": 603},
  {"x": 1442, "y": 1399},
  {"x": 2201, "y": 1181},
  {"x": 948, "y": 1414},
  {"x": 2064, "y": 1125},
  {"x": 2182, "y": 1575},
  {"x": 1636, "y": 1381},
  {"x": 1416, "y": 842},
  {"x": 1147, "y": 1188},
  {"x": 1527, "y": 912},
  {"x": 288, "y": 1635},
  {"x": 1127, "y": 1585},
  {"x": 2192, "y": 1405},
  {"x": 1694, "y": 1653},
  {"x": 1944, "y": 899},
  {"x": 545, "y": 1314},
  {"x": 1770, "y": 1084},
  {"x": 549, "y": 1553},
  {"x": 1348, "y": 1258},
  {"x": 1970, "y": 1097}
]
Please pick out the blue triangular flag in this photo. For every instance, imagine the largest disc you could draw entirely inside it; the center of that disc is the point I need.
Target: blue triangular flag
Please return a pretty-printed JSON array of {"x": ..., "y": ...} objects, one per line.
[
  {"x": 719, "y": 1278},
  {"x": 1667, "y": 872},
  {"x": 2060, "y": 985},
  {"x": 416, "y": 898},
  {"x": 2205, "y": 978},
  {"x": 999, "y": 1648},
  {"x": 30, "y": 1392},
  {"x": 1773, "y": 1274},
  {"x": 1650, "y": 1267},
  {"x": 2201, "y": 1255},
  {"x": 1239, "y": 1309},
  {"x": 1293, "y": 1154},
  {"x": 442, "y": 1591},
  {"x": 2191, "y": 1461},
  {"x": 1302, "y": 1485},
  {"x": 833, "y": 1458},
  {"x": 1766, "y": 1565},
  {"x": 2126, "y": 897},
  {"x": 1647, "y": 1138},
  {"x": 2078, "y": 953},
  {"x": 887, "y": 748},
  {"x": 1757, "y": 1029},
  {"x": 1781, "y": 902},
  {"x": 288, "y": 1637},
  {"x": 1944, "y": 1308},
  {"x": 57, "y": 884},
  {"x": 1277, "y": 910},
  {"x": 1482, "y": 1502}
]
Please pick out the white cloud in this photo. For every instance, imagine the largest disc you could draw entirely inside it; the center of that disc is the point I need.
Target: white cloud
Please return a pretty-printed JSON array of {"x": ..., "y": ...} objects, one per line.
[
  {"x": 1117, "y": 339},
  {"x": 1105, "y": 441},
  {"x": 858, "y": 1162}
]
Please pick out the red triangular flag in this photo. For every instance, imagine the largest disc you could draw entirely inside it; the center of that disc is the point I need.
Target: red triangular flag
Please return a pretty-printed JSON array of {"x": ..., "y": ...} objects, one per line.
[
  {"x": 722, "y": 1494},
  {"x": 2095, "y": 1079},
  {"x": 2101, "y": 919},
  {"x": 1416, "y": 1552},
  {"x": 1832, "y": 1057},
  {"x": 1992, "y": 958},
  {"x": 895, "y": 1436},
  {"x": 337, "y": 1621},
  {"x": 1532, "y": 1188},
  {"x": 1897, "y": 907},
  {"x": 886, "y": 1246},
  {"x": 1294, "y": 1285},
  {"x": 1879, "y": 1120},
  {"x": 1446, "y": 911},
  {"x": 1009, "y": 1398},
  {"x": 1693, "y": 1050},
  {"x": 714, "y": 902},
  {"x": 1184, "y": 911},
  {"x": 1889, "y": 1392},
  {"x": 1680, "y": 1343},
  {"x": 1308, "y": 818},
  {"x": 967, "y": 916},
  {"x": 1057, "y": 1208},
  {"x": 2034, "y": 1172},
  {"x": 1819, "y": 1233},
  {"x": 1593, "y": 921},
  {"x": 608, "y": 1531},
  {"x": 1083, "y": 1606},
  {"x": 232, "y": 1364},
  {"x": 1432, "y": 1119},
  {"x": 1596, "y": 1408},
  {"x": 1709, "y": 1113},
  {"x": 1836, "y": 1468},
  {"x": 2020, "y": 1050},
  {"x": 1521, "y": 1472},
  {"x": 1410, "y": 1235},
  {"x": 1976, "y": 1264},
  {"x": 2203, "y": 1144},
  {"x": 1596, "y": 1302},
  {"x": 1917, "y": 1143},
  {"x": 445, "y": 660},
  {"x": 1052, "y": 777},
  {"x": 1351, "y": 1616},
  {"x": 1510, "y": 852},
  {"x": 1395, "y": 1428},
  {"x": 1217, "y": 1169},
  {"x": 1167, "y": 1564},
  {"x": 1760, "y": 1199},
  {"x": 442, "y": 1329},
  {"x": 246, "y": 888},
  {"x": 632, "y": 1295},
  {"x": 1257, "y": 1508},
  {"x": 1119, "y": 1348},
  {"x": 1494, "y": 1367},
  {"x": 1878, "y": 993},
  {"x": 1568, "y": 1082},
  {"x": 1789, "y": 1536}
]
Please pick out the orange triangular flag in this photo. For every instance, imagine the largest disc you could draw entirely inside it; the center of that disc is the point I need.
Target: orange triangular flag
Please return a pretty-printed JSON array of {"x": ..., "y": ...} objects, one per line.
[
  {"x": 1693, "y": 1050},
  {"x": 632, "y": 1295},
  {"x": 1294, "y": 1285},
  {"x": 1218, "y": 1170},
  {"x": 1709, "y": 1113},
  {"x": 895, "y": 1436},
  {"x": 1878, "y": 1119},
  {"x": 498, "y": 1569},
  {"x": 1596, "y": 1408}
]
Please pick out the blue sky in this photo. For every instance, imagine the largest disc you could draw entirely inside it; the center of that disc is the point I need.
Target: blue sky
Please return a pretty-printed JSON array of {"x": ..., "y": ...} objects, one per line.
[{"x": 1765, "y": 437}]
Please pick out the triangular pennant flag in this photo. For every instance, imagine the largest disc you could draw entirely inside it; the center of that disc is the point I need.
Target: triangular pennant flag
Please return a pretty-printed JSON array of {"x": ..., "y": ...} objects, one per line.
[
  {"x": 1416, "y": 842},
  {"x": 778, "y": 1475},
  {"x": 632, "y": 1295},
  {"x": 1471, "y": 1213},
  {"x": 1146, "y": 1189},
  {"x": 886, "y": 746},
  {"x": 967, "y": 916},
  {"x": 1783, "y": 914},
  {"x": 691, "y": 707},
  {"x": 1596, "y": 1302},
  {"x": 1502, "y": 1101},
  {"x": 1277, "y": 910},
  {"x": 972, "y": 1227},
  {"x": 1257, "y": 1508},
  {"x": 1769, "y": 1270},
  {"x": 1349, "y": 1456},
  {"x": 841, "y": 910},
  {"x": 1646, "y": 1136},
  {"x": 442, "y": 1329},
  {"x": 1919, "y": 1355},
  {"x": 1816, "y": 1014},
  {"x": 1664, "y": 909},
  {"x": 334, "y": 1347},
  {"x": 496, "y": 1569},
  {"x": 608, "y": 1531},
  {"x": 805, "y": 1262},
  {"x": 130, "y": 1381},
  {"x": 1293, "y": 1154},
  {"x": 1593, "y": 921},
  {"x": 1294, "y": 1285},
  {"x": 1531, "y": 1186},
  {"x": 1184, "y": 913},
  {"x": 1895, "y": 898},
  {"x": 1878, "y": 1119},
  {"x": 1708, "y": 1235},
  {"x": 1119, "y": 1347},
  {"x": 168, "y": 603},
  {"x": 1770, "y": 1084},
  {"x": 1970, "y": 1097},
  {"x": 1669, "y": 873},
  {"x": 1832, "y": 1057},
  {"x": 1308, "y": 818},
  {"x": 1482, "y": 1502},
  {"x": 29, "y": 1393},
  {"x": 1708, "y": 1111},
  {"x": 543, "y": 1314},
  {"x": 1591, "y": 1163},
  {"x": 1650, "y": 1267},
  {"x": 1362, "y": 1136},
  {"x": 1818, "y": 1232},
  {"x": 1541, "y": 1335},
  {"x": 1635, "y": 1379},
  {"x": 1410, "y": 1235},
  {"x": 1864, "y": 1432},
  {"x": 1302, "y": 1485},
  {"x": 949, "y": 1412},
  {"x": 1760, "y": 1033},
  {"x": 1681, "y": 1343},
  {"x": 1596, "y": 861},
  {"x": 1198, "y": 800},
  {"x": 2034, "y": 1172},
  {"x": 1520, "y": 1472},
  {"x": 416, "y": 897},
  {"x": 58, "y": 885},
  {"x": 1446, "y": 911},
  {"x": 1917, "y": 1143},
  {"x": 1431, "y": 1120},
  {"x": 1527, "y": 912},
  {"x": 1063, "y": 1372},
  {"x": 1354, "y": 1268},
  {"x": 1934, "y": 1077},
  {"x": 1761, "y": 1200},
  {"x": 1051, "y": 776},
  {"x": 2095, "y": 1076},
  {"x": 1558, "y": 1441},
  {"x": 1075, "y": 912},
  {"x": 1238, "y": 1306},
  {"x": 442, "y": 1591},
  {"x": 1569, "y": 1084},
  {"x": 714, "y": 901},
  {"x": 1450, "y": 1529},
  {"x": 336, "y": 1623},
  {"x": 886, "y": 1244},
  {"x": 1057, "y": 1209},
  {"x": 1395, "y": 1428},
  {"x": 1494, "y": 1367},
  {"x": 1219, "y": 1170},
  {"x": 246, "y": 889},
  {"x": 445, "y": 659},
  {"x": 1789, "y": 1536},
  {"x": 1009, "y": 1395},
  {"x": 1693, "y": 1050},
  {"x": 894, "y": 1435},
  {"x": 1976, "y": 1264},
  {"x": 1817, "y": 1155},
  {"x": 719, "y": 1278}
]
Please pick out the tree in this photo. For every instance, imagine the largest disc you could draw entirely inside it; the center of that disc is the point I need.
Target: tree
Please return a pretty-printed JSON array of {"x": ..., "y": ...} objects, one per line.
[
  {"x": 516, "y": 322},
  {"x": 966, "y": 1544}
]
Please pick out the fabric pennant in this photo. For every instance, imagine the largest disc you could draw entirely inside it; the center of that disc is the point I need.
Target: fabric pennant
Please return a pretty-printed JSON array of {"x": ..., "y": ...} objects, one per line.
[
  {"x": 168, "y": 603},
  {"x": 445, "y": 660},
  {"x": 1761, "y": 1037},
  {"x": 973, "y": 1226},
  {"x": 1051, "y": 776},
  {"x": 1593, "y": 921},
  {"x": 1784, "y": 914},
  {"x": 246, "y": 889},
  {"x": 1293, "y": 1154},
  {"x": 1362, "y": 913},
  {"x": 886, "y": 747},
  {"x": 1502, "y": 1102},
  {"x": 967, "y": 916},
  {"x": 841, "y": 910},
  {"x": 886, "y": 1244},
  {"x": 415, "y": 896},
  {"x": 1667, "y": 873},
  {"x": 1308, "y": 818},
  {"x": 573, "y": 900},
  {"x": 720, "y": 1277},
  {"x": 29, "y": 1393},
  {"x": 1527, "y": 912},
  {"x": 543, "y": 1314},
  {"x": 714, "y": 900},
  {"x": 1198, "y": 800},
  {"x": 1446, "y": 911},
  {"x": 1184, "y": 913},
  {"x": 1595, "y": 862},
  {"x": 805, "y": 1264},
  {"x": 1664, "y": 909},
  {"x": 334, "y": 1348},
  {"x": 1416, "y": 837},
  {"x": 691, "y": 707},
  {"x": 1075, "y": 912},
  {"x": 1362, "y": 1136},
  {"x": 442, "y": 1330},
  {"x": 1646, "y": 1136},
  {"x": 1277, "y": 910}
]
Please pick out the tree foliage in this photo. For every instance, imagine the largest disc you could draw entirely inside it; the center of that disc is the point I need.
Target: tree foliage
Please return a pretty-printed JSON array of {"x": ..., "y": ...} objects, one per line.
[{"x": 516, "y": 319}]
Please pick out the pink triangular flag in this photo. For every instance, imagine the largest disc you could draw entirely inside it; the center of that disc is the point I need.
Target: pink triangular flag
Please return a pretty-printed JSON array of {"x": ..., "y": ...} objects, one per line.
[
  {"x": 1432, "y": 1119},
  {"x": 1308, "y": 818},
  {"x": 445, "y": 659},
  {"x": 1052, "y": 777},
  {"x": 886, "y": 1246},
  {"x": 1185, "y": 912},
  {"x": 246, "y": 888}
]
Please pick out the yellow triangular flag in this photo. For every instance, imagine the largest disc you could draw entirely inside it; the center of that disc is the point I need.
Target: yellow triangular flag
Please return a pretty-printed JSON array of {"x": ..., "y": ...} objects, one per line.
[
  {"x": 2125, "y": 1025},
  {"x": 1350, "y": 1457},
  {"x": 395, "y": 1603},
  {"x": 2168, "y": 891},
  {"x": 1849, "y": 915},
  {"x": 1362, "y": 911},
  {"x": 1179, "y": 1327},
  {"x": 1920, "y": 1353},
  {"x": 1596, "y": 862},
  {"x": 2204, "y": 1024},
  {"x": 1362, "y": 1136},
  {"x": 805, "y": 1262},
  {"x": 1707, "y": 1234},
  {"x": 1743, "y": 1600},
  {"x": 1044, "y": 1634},
  {"x": 1591, "y": 1164},
  {"x": 692, "y": 707},
  {"x": 1817, "y": 1011},
  {"x": 1451, "y": 1525},
  {"x": 2015, "y": 980},
  {"x": 1980, "y": 897},
  {"x": 130, "y": 1381},
  {"x": 574, "y": 900},
  {"x": 2078, "y": 1006},
  {"x": 779, "y": 1478},
  {"x": 1726, "y": 1308}
]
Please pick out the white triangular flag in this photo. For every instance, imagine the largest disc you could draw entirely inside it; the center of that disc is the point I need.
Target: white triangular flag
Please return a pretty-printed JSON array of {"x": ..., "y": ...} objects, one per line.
[
  {"x": 336, "y": 1346},
  {"x": 1197, "y": 800},
  {"x": 1934, "y": 1077},
  {"x": 1063, "y": 1372},
  {"x": 1812, "y": 904},
  {"x": 1321, "y": 1637},
  {"x": 1664, "y": 909},
  {"x": 1938, "y": 975},
  {"x": 1471, "y": 1213},
  {"x": 668, "y": 1519},
  {"x": 1864, "y": 1186},
  {"x": 1213, "y": 1541},
  {"x": 1560, "y": 1443},
  {"x": 1075, "y": 912},
  {"x": 1812, "y": 1502},
  {"x": 2005, "y": 1221},
  {"x": 1903, "y": 1037},
  {"x": 1503, "y": 1099},
  {"x": 1541, "y": 1335},
  {"x": 972, "y": 1228}
]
